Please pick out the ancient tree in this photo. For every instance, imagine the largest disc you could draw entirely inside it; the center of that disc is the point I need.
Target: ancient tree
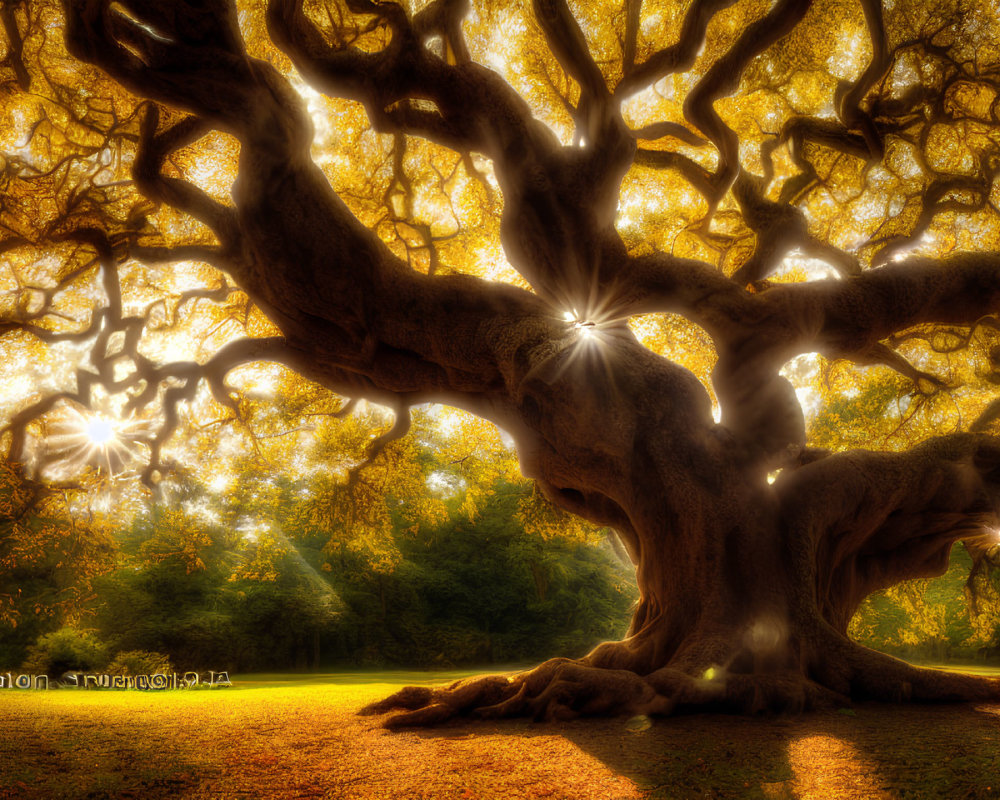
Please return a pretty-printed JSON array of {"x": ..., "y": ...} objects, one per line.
[{"x": 859, "y": 138}]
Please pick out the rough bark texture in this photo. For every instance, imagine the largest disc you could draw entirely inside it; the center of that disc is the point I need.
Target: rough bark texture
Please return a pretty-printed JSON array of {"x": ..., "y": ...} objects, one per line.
[{"x": 746, "y": 587}]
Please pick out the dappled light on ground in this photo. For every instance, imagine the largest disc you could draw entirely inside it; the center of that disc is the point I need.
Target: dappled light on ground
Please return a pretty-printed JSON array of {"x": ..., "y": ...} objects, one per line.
[
  {"x": 275, "y": 737},
  {"x": 825, "y": 766}
]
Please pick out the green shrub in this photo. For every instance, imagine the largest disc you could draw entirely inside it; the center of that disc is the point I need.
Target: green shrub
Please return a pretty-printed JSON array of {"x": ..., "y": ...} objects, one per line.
[
  {"x": 64, "y": 650},
  {"x": 139, "y": 662}
]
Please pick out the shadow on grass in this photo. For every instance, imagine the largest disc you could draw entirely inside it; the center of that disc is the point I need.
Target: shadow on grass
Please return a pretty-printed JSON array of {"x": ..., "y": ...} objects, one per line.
[{"x": 871, "y": 751}]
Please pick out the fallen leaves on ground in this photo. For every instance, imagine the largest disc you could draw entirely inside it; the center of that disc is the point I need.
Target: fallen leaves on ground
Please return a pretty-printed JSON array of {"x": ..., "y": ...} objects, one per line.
[{"x": 308, "y": 742}]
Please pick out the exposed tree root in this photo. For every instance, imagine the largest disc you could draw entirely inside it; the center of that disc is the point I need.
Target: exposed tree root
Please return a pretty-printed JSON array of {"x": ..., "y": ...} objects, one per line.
[
  {"x": 563, "y": 689},
  {"x": 876, "y": 676}
]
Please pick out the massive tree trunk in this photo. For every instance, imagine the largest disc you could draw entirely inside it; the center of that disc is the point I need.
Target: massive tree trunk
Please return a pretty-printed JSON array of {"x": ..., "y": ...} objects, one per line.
[
  {"x": 746, "y": 594},
  {"x": 747, "y": 584}
]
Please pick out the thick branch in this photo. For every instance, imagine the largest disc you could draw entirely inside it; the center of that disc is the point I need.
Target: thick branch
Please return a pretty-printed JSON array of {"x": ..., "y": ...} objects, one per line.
[
  {"x": 15, "y": 45},
  {"x": 185, "y": 196},
  {"x": 723, "y": 78},
  {"x": 568, "y": 45},
  {"x": 680, "y": 56},
  {"x": 850, "y": 111},
  {"x": 840, "y": 318},
  {"x": 444, "y": 17},
  {"x": 660, "y": 130},
  {"x": 189, "y": 56},
  {"x": 304, "y": 258},
  {"x": 859, "y": 521},
  {"x": 780, "y": 228},
  {"x": 475, "y": 109},
  {"x": 847, "y": 318},
  {"x": 695, "y": 174}
]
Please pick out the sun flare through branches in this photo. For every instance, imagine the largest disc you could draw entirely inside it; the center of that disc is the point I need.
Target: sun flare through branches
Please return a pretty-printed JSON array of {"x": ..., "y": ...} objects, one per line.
[{"x": 81, "y": 439}]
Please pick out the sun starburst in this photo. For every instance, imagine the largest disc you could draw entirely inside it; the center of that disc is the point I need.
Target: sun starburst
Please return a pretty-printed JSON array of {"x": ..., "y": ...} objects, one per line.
[{"x": 79, "y": 438}]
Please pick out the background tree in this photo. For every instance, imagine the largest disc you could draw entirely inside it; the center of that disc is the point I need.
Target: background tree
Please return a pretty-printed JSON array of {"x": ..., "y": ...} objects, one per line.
[
  {"x": 52, "y": 547},
  {"x": 795, "y": 178},
  {"x": 930, "y": 619}
]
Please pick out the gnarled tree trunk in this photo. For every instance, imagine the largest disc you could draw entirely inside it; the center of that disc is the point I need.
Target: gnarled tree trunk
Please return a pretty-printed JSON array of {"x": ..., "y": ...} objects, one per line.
[{"x": 746, "y": 594}]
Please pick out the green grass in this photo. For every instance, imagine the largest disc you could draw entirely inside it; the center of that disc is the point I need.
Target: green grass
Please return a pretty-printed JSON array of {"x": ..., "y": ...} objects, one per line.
[
  {"x": 399, "y": 678},
  {"x": 987, "y": 670},
  {"x": 352, "y": 687}
]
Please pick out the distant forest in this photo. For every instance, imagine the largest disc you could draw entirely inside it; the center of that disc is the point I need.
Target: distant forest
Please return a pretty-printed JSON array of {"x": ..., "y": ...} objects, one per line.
[
  {"x": 473, "y": 590},
  {"x": 185, "y": 586}
]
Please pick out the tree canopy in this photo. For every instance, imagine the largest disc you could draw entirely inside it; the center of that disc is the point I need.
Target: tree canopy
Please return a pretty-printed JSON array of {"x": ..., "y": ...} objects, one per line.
[{"x": 684, "y": 255}]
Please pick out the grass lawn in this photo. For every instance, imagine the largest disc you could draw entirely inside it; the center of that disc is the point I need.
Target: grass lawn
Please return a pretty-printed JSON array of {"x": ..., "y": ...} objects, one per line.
[{"x": 295, "y": 736}]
